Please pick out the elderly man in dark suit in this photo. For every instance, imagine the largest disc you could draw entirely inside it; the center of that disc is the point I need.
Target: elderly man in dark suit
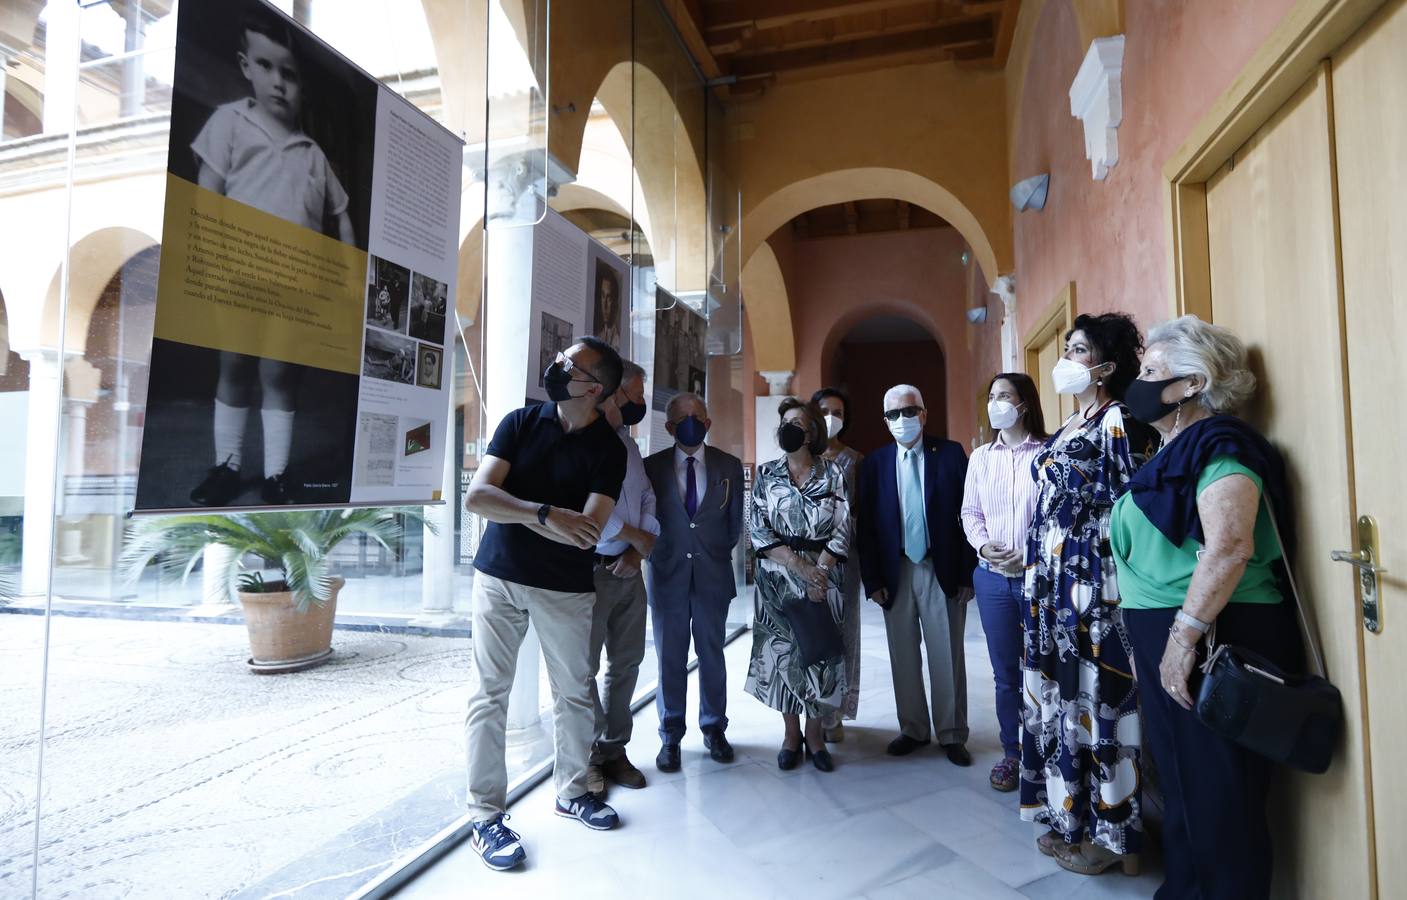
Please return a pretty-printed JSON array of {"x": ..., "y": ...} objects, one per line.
[
  {"x": 689, "y": 577},
  {"x": 916, "y": 564}
]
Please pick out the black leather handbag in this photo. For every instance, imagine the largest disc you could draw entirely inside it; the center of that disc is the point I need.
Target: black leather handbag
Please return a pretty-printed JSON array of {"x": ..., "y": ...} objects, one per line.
[
  {"x": 812, "y": 625},
  {"x": 1247, "y": 699}
]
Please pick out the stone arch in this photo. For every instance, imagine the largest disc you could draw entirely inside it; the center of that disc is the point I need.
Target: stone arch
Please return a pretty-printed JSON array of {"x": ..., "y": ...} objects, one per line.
[
  {"x": 14, "y": 370},
  {"x": 844, "y": 186},
  {"x": 880, "y": 368},
  {"x": 92, "y": 263},
  {"x": 768, "y": 309},
  {"x": 670, "y": 173}
]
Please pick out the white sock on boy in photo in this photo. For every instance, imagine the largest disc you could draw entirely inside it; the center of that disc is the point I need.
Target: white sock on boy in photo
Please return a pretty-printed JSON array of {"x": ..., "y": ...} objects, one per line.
[
  {"x": 278, "y": 439},
  {"x": 229, "y": 434}
]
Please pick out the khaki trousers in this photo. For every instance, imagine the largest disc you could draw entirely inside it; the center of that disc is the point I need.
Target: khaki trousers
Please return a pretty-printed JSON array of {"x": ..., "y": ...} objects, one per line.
[
  {"x": 922, "y": 610},
  {"x": 500, "y": 620},
  {"x": 618, "y": 626}
]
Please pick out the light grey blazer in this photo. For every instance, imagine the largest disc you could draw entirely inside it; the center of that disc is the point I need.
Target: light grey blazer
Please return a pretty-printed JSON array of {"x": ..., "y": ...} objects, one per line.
[{"x": 698, "y": 551}]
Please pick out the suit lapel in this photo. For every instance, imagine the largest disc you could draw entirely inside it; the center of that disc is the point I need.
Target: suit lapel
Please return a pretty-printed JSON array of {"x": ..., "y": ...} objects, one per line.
[{"x": 930, "y": 472}]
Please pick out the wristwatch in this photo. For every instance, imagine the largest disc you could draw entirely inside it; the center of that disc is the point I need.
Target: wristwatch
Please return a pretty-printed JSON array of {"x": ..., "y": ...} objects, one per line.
[{"x": 542, "y": 512}]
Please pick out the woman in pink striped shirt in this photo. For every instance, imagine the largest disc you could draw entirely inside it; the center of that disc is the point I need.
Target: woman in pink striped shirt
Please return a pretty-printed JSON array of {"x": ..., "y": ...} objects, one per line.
[{"x": 998, "y": 501}]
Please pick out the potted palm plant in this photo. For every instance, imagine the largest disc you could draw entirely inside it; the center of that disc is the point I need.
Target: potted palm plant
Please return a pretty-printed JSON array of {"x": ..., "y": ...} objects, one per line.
[{"x": 289, "y": 616}]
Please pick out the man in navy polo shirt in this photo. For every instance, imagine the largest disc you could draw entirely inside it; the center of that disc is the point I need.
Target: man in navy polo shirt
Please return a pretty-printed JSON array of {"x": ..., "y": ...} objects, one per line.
[{"x": 548, "y": 484}]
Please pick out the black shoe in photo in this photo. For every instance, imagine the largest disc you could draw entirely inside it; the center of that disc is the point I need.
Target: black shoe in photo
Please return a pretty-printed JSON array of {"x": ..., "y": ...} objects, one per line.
[
  {"x": 275, "y": 490},
  {"x": 221, "y": 485}
]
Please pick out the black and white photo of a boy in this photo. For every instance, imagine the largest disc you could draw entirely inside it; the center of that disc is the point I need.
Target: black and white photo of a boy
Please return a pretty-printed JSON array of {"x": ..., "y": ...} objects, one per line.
[{"x": 254, "y": 150}]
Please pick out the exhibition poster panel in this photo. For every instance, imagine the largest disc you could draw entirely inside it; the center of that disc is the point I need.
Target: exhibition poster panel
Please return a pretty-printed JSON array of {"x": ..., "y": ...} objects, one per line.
[
  {"x": 307, "y": 268},
  {"x": 680, "y": 359},
  {"x": 579, "y": 287}
]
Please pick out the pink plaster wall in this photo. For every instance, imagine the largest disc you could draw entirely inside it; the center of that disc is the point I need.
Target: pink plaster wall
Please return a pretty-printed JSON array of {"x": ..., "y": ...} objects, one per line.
[
  {"x": 836, "y": 283},
  {"x": 1110, "y": 237}
]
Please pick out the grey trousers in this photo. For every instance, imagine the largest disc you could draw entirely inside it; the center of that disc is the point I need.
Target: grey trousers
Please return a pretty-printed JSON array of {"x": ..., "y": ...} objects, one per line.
[
  {"x": 500, "y": 620},
  {"x": 921, "y": 610},
  {"x": 618, "y": 626}
]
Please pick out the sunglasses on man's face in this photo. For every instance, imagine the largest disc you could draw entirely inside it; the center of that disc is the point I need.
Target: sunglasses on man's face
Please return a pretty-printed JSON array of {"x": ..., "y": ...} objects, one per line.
[{"x": 907, "y": 412}]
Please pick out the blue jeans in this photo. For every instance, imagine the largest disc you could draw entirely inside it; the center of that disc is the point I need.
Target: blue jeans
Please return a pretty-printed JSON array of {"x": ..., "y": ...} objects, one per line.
[{"x": 999, "y": 602}]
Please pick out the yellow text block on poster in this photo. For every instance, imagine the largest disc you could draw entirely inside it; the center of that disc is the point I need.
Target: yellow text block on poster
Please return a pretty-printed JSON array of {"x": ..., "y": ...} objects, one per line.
[{"x": 236, "y": 278}]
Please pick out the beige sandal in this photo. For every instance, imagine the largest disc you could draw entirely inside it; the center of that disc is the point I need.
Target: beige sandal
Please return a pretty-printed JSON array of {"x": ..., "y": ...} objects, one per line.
[
  {"x": 1092, "y": 859},
  {"x": 1047, "y": 842}
]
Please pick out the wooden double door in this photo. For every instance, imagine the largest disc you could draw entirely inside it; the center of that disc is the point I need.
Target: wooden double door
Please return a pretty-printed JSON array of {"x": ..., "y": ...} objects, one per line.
[{"x": 1307, "y": 233}]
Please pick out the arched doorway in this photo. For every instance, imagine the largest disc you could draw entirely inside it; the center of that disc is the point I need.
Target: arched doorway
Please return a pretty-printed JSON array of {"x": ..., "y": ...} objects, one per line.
[{"x": 874, "y": 355}]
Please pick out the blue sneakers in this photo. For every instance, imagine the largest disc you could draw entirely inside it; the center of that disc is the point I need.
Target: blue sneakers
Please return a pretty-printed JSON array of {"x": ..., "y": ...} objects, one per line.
[
  {"x": 497, "y": 845},
  {"x": 591, "y": 810}
]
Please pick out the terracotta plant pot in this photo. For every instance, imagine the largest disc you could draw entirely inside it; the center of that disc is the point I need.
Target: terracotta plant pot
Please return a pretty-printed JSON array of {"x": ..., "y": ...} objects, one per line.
[{"x": 282, "y": 639}]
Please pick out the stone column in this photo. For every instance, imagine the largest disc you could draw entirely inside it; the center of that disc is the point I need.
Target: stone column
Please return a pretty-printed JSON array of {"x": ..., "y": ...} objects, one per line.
[
  {"x": 777, "y": 382},
  {"x": 215, "y": 599},
  {"x": 519, "y": 181},
  {"x": 61, "y": 52},
  {"x": 1005, "y": 289},
  {"x": 41, "y": 454},
  {"x": 441, "y": 552}
]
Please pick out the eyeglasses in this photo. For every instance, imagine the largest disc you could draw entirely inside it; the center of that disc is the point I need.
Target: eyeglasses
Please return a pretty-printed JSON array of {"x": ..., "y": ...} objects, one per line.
[
  {"x": 907, "y": 412},
  {"x": 569, "y": 367}
]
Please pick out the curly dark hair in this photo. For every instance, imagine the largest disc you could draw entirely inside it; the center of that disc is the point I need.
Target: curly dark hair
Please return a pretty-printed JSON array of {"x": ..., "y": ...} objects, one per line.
[
  {"x": 816, "y": 428},
  {"x": 1115, "y": 339},
  {"x": 838, "y": 394}
]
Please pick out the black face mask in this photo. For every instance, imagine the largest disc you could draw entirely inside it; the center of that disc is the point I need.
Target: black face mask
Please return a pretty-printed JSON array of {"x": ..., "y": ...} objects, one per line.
[
  {"x": 1145, "y": 399},
  {"x": 791, "y": 437},
  {"x": 558, "y": 383},
  {"x": 632, "y": 413}
]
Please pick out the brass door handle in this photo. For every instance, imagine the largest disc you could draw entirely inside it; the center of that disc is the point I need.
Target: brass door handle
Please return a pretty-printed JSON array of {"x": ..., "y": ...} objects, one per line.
[{"x": 1365, "y": 561}]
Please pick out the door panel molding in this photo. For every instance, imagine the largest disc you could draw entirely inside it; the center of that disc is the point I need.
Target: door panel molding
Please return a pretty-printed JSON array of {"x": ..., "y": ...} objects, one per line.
[{"x": 1308, "y": 34}]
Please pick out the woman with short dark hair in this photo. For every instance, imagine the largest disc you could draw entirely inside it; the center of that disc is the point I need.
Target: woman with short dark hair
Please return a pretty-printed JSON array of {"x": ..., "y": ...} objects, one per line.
[
  {"x": 800, "y": 529},
  {"x": 1080, "y": 744},
  {"x": 999, "y": 498},
  {"x": 835, "y": 406}
]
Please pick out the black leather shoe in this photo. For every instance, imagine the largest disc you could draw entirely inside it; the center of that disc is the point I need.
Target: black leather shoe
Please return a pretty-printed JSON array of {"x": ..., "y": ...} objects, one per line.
[
  {"x": 221, "y": 485},
  {"x": 668, "y": 760},
  {"x": 903, "y": 745},
  {"x": 821, "y": 759},
  {"x": 275, "y": 490},
  {"x": 718, "y": 747},
  {"x": 958, "y": 755},
  {"x": 788, "y": 758}
]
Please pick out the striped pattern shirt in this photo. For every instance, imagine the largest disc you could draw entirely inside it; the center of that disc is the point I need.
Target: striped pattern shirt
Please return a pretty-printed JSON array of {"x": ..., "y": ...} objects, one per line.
[{"x": 1000, "y": 495}]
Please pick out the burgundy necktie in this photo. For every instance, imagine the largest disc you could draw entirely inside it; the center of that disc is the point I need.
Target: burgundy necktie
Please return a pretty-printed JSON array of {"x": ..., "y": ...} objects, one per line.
[{"x": 691, "y": 491}]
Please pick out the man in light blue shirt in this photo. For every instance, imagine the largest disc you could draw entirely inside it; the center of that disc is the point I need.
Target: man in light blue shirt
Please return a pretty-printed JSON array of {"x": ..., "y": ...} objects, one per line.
[{"x": 618, "y": 621}]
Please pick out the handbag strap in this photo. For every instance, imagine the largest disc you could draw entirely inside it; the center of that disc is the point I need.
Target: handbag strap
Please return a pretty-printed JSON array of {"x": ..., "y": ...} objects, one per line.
[{"x": 1309, "y": 637}]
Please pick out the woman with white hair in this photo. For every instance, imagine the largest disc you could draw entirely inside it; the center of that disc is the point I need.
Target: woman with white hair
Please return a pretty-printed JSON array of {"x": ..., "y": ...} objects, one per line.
[{"x": 1195, "y": 546}]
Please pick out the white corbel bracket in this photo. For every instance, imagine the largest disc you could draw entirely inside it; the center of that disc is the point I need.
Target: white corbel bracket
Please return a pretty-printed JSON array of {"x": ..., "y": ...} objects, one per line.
[{"x": 1096, "y": 99}]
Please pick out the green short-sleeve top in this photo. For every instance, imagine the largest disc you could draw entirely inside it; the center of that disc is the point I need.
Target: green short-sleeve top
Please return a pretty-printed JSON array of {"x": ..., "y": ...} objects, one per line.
[{"x": 1155, "y": 574}]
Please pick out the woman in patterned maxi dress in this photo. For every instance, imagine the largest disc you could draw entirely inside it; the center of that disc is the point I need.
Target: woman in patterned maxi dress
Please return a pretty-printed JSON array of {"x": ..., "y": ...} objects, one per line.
[
  {"x": 792, "y": 519},
  {"x": 1080, "y": 766},
  {"x": 835, "y": 405}
]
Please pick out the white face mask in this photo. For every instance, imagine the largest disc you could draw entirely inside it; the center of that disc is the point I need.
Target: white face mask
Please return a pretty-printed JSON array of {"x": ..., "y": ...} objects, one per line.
[
  {"x": 1069, "y": 377},
  {"x": 833, "y": 425},
  {"x": 1002, "y": 414},
  {"x": 905, "y": 429}
]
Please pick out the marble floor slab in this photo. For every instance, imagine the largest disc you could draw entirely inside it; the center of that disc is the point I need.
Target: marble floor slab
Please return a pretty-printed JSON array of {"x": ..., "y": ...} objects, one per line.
[{"x": 877, "y": 827}]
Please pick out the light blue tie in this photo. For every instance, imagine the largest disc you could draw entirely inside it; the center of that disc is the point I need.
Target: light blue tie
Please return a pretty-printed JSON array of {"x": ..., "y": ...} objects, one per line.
[{"x": 915, "y": 529}]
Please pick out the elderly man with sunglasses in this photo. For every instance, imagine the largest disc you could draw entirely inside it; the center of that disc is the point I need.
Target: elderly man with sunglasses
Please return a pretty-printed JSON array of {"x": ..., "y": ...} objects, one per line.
[{"x": 917, "y": 565}]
